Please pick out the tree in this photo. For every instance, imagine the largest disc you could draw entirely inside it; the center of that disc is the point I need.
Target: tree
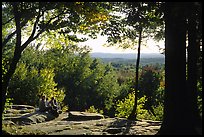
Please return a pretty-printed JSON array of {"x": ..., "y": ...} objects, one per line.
[
  {"x": 142, "y": 18},
  {"x": 86, "y": 81},
  {"x": 34, "y": 19},
  {"x": 149, "y": 83},
  {"x": 133, "y": 114},
  {"x": 179, "y": 105},
  {"x": 194, "y": 38},
  {"x": 33, "y": 77}
]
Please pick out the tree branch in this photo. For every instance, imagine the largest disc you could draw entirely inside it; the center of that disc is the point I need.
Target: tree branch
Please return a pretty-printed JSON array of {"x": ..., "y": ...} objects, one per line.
[
  {"x": 8, "y": 38},
  {"x": 7, "y": 21},
  {"x": 30, "y": 39},
  {"x": 12, "y": 34}
]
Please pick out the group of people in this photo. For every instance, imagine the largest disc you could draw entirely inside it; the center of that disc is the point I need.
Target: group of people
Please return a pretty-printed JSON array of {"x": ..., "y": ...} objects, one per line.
[{"x": 49, "y": 106}]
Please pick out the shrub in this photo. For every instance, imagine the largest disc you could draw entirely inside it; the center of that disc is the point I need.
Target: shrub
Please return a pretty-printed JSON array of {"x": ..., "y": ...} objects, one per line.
[
  {"x": 124, "y": 108},
  {"x": 92, "y": 109}
]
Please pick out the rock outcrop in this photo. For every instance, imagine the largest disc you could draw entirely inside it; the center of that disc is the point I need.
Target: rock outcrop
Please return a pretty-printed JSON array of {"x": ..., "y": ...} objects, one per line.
[
  {"x": 76, "y": 115},
  {"x": 77, "y": 123},
  {"x": 26, "y": 115}
]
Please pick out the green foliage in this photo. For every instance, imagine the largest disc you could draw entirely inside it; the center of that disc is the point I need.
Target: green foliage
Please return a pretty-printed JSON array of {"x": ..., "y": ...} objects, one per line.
[
  {"x": 27, "y": 83},
  {"x": 77, "y": 82},
  {"x": 145, "y": 114},
  {"x": 107, "y": 88},
  {"x": 4, "y": 69},
  {"x": 67, "y": 72},
  {"x": 124, "y": 108},
  {"x": 142, "y": 113},
  {"x": 66, "y": 69},
  {"x": 32, "y": 20},
  {"x": 7, "y": 105},
  {"x": 23, "y": 85},
  {"x": 84, "y": 80},
  {"x": 159, "y": 112},
  {"x": 59, "y": 95},
  {"x": 148, "y": 85},
  {"x": 92, "y": 109},
  {"x": 7, "y": 54},
  {"x": 64, "y": 108},
  {"x": 47, "y": 84},
  {"x": 123, "y": 30},
  {"x": 149, "y": 80},
  {"x": 57, "y": 22}
]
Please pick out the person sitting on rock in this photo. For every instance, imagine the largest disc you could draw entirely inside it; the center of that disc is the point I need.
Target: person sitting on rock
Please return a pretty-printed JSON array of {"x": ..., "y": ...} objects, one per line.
[
  {"x": 42, "y": 105},
  {"x": 46, "y": 101},
  {"x": 54, "y": 106},
  {"x": 58, "y": 106}
]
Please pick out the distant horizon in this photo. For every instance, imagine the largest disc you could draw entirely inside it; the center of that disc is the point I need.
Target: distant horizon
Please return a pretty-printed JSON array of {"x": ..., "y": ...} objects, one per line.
[
  {"x": 126, "y": 55},
  {"x": 125, "y": 52}
]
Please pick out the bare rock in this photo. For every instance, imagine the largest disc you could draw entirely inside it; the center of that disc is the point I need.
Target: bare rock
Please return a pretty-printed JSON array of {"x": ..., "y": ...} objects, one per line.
[
  {"x": 31, "y": 118},
  {"x": 26, "y": 115},
  {"x": 76, "y": 115}
]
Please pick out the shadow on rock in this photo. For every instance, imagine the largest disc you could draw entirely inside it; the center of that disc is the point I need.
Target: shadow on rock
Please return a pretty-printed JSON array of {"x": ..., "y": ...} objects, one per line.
[{"x": 120, "y": 126}]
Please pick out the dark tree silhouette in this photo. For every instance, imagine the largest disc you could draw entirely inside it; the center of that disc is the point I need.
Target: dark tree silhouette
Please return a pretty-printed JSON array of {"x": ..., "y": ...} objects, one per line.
[
  {"x": 192, "y": 59},
  {"x": 180, "y": 103}
]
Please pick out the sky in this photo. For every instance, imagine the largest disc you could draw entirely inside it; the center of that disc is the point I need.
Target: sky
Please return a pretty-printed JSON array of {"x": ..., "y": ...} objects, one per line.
[{"x": 97, "y": 46}]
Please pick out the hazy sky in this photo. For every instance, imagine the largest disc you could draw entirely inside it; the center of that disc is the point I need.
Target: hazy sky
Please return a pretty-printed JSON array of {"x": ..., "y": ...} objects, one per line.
[{"x": 96, "y": 45}]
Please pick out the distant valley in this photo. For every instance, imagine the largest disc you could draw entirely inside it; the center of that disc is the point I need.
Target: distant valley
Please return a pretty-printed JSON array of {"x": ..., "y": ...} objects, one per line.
[
  {"x": 126, "y": 55},
  {"x": 130, "y": 58}
]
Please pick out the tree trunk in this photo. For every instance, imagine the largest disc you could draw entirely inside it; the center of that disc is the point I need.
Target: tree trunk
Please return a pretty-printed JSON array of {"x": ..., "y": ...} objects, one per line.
[
  {"x": 177, "y": 118},
  {"x": 133, "y": 114},
  {"x": 16, "y": 57},
  {"x": 175, "y": 71},
  {"x": 8, "y": 76},
  {"x": 193, "y": 50}
]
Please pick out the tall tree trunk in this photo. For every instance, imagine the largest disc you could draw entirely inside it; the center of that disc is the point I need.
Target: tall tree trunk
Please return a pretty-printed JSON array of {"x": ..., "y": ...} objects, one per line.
[
  {"x": 176, "y": 115},
  {"x": 193, "y": 50},
  {"x": 7, "y": 77},
  {"x": 16, "y": 57},
  {"x": 133, "y": 114}
]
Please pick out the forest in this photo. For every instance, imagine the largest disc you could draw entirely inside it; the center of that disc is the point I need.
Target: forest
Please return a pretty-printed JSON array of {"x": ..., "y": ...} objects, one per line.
[{"x": 40, "y": 55}]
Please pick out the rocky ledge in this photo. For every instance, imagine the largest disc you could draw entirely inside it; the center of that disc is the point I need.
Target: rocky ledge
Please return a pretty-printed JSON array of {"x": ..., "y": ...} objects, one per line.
[{"x": 81, "y": 123}]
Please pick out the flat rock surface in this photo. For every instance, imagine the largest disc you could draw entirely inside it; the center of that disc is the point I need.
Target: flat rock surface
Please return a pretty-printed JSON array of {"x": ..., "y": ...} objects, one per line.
[
  {"x": 105, "y": 126},
  {"x": 81, "y": 123},
  {"x": 76, "y": 115}
]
